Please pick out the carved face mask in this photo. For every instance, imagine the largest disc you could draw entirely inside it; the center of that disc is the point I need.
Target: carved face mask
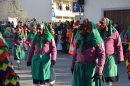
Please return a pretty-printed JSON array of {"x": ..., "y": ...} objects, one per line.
[
  {"x": 103, "y": 24},
  {"x": 18, "y": 30},
  {"x": 34, "y": 29},
  {"x": 85, "y": 27},
  {"x": 40, "y": 30}
]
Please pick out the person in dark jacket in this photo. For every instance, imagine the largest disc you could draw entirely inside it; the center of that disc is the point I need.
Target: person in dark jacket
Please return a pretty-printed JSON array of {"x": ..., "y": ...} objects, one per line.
[
  {"x": 63, "y": 37},
  {"x": 58, "y": 28},
  {"x": 118, "y": 28},
  {"x": 75, "y": 29}
]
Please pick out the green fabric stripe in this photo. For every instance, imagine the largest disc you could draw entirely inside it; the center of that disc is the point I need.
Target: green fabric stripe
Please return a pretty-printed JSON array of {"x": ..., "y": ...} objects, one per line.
[
  {"x": 1, "y": 37},
  {"x": 11, "y": 77},
  {"x": 1, "y": 63},
  {"x": 7, "y": 31},
  {"x": 6, "y": 61},
  {"x": 4, "y": 48}
]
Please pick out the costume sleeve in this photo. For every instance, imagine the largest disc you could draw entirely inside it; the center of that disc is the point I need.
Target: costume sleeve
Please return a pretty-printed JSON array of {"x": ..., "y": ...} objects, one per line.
[
  {"x": 53, "y": 49},
  {"x": 74, "y": 58},
  {"x": 31, "y": 51},
  {"x": 118, "y": 47},
  {"x": 7, "y": 36},
  {"x": 101, "y": 58},
  {"x": 28, "y": 41},
  {"x": 25, "y": 44},
  {"x": 125, "y": 37},
  {"x": 14, "y": 41}
]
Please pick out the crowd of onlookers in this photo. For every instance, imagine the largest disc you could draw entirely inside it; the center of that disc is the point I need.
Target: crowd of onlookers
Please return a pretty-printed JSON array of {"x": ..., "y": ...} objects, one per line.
[{"x": 63, "y": 32}]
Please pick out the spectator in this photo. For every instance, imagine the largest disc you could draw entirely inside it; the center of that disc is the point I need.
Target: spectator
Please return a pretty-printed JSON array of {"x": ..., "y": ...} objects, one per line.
[
  {"x": 58, "y": 28},
  {"x": 63, "y": 37},
  {"x": 118, "y": 28},
  {"x": 67, "y": 7},
  {"x": 69, "y": 35},
  {"x": 60, "y": 7}
]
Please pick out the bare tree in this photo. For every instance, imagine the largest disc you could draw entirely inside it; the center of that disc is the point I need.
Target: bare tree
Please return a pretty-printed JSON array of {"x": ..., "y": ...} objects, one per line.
[{"x": 12, "y": 8}]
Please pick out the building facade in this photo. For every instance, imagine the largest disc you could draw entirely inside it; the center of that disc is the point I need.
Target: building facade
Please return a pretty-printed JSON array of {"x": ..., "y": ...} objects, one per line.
[
  {"x": 63, "y": 10},
  {"x": 116, "y": 10}
]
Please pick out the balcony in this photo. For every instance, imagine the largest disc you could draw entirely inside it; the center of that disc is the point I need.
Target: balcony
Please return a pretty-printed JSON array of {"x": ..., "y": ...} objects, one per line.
[{"x": 63, "y": 12}]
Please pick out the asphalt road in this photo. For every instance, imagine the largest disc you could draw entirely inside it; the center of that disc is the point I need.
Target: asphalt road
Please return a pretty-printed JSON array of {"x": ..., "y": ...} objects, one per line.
[{"x": 63, "y": 73}]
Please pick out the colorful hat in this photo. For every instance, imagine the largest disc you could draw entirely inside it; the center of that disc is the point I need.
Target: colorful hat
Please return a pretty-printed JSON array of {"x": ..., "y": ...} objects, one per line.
[{"x": 76, "y": 25}]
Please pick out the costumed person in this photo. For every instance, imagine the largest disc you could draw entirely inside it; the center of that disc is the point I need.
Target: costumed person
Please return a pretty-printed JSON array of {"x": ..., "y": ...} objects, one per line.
[
  {"x": 127, "y": 50},
  {"x": 127, "y": 35},
  {"x": 26, "y": 32},
  {"x": 20, "y": 46},
  {"x": 4, "y": 26},
  {"x": 31, "y": 37},
  {"x": 8, "y": 35},
  {"x": 39, "y": 55},
  {"x": 127, "y": 60},
  {"x": 113, "y": 50},
  {"x": 8, "y": 77},
  {"x": 89, "y": 48}
]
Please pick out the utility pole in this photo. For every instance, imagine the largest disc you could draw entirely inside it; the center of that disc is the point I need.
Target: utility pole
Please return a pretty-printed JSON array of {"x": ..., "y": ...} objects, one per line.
[{"x": 80, "y": 13}]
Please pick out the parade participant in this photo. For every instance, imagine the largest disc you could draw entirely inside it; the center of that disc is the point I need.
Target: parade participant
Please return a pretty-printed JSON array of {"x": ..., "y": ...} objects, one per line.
[
  {"x": 26, "y": 32},
  {"x": 127, "y": 35},
  {"x": 127, "y": 50},
  {"x": 20, "y": 46},
  {"x": 39, "y": 55},
  {"x": 89, "y": 47},
  {"x": 113, "y": 50},
  {"x": 30, "y": 37},
  {"x": 8, "y": 34},
  {"x": 7, "y": 74}
]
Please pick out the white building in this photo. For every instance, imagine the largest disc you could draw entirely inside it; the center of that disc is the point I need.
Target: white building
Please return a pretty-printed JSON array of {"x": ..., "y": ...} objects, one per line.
[
  {"x": 116, "y": 10},
  {"x": 63, "y": 14}
]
